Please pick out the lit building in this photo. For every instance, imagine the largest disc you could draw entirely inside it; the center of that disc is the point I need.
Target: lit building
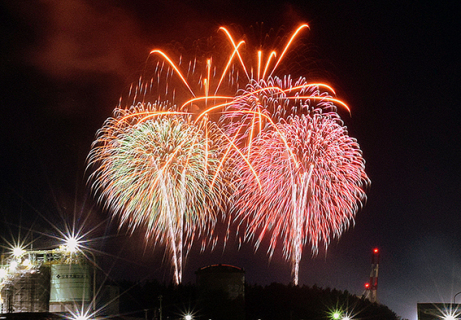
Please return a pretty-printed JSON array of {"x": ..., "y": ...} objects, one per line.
[{"x": 57, "y": 280}]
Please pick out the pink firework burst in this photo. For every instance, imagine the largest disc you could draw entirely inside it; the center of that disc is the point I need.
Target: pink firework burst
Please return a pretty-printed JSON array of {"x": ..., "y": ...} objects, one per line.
[{"x": 310, "y": 172}]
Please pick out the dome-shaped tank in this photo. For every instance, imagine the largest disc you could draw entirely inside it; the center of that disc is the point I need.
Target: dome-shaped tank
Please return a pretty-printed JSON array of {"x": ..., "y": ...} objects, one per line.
[
  {"x": 222, "y": 277},
  {"x": 221, "y": 291}
]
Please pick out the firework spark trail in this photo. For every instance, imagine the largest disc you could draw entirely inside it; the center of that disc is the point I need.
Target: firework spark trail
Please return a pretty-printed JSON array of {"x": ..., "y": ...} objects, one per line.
[
  {"x": 155, "y": 169},
  {"x": 319, "y": 189},
  {"x": 273, "y": 99},
  {"x": 264, "y": 117},
  {"x": 164, "y": 162},
  {"x": 158, "y": 168}
]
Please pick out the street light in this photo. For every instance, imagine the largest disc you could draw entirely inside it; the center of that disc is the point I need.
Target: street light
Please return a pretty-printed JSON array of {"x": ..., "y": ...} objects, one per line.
[
  {"x": 188, "y": 317},
  {"x": 72, "y": 244},
  {"x": 18, "y": 251},
  {"x": 340, "y": 315},
  {"x": 79, "y": 316},
  {"x": 13, "y": 265}
]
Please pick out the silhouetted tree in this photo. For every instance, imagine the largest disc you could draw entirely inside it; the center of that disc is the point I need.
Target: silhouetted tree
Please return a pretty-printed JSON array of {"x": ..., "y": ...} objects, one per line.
[{"x": 272, "y": 302}]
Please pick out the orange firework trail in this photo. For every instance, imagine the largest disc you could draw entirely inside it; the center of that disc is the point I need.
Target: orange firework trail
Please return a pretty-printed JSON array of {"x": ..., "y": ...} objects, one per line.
[{"x": 224, "y": 127}]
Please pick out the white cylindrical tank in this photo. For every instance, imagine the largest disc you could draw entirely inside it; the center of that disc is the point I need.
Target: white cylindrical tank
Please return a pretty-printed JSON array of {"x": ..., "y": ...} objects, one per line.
[{"x": 70, "y": 286}]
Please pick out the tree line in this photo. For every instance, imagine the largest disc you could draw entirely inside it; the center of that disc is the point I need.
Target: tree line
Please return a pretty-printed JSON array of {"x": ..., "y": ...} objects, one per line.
[{"x": 154, "y": 300}]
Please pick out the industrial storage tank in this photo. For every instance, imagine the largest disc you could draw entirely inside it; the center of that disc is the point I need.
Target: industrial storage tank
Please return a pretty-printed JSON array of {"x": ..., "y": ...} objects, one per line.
[
  {"x": 222, "y": 277},
  {"x": 221, "y": 291},
  {"x": 70, "y": 287}
]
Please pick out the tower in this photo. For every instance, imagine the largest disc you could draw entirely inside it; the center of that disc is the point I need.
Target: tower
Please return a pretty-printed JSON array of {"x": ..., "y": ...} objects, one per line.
[{"x": 371, "y": 287}]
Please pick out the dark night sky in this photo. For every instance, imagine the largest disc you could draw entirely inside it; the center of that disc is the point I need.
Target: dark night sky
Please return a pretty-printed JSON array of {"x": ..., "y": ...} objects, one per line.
[{"x": 64, "y": 65}]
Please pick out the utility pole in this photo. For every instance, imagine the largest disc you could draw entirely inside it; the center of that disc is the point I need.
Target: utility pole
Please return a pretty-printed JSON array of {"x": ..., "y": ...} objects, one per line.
[{"x": 160, "y": 309}]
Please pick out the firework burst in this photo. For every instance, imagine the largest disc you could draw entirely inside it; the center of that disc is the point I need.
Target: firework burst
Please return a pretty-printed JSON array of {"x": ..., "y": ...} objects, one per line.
[
  {"x": 158, "y": 169},
  {"x": 311, "y": 172},
  {"x": 195, "y": 130},
  {"x": 304, "y": 178}
]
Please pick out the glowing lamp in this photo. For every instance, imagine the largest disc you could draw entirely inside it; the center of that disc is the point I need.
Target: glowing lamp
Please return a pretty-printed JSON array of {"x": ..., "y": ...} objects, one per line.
[
  {"x": 80, "y": 317},
  {"x": 71, "y": 245},
  {"x": 17, "y": 251},
  {"x": 26, "y": 263},
  {"x": 13, "y": 265},
  {"x": 375, "y": 250}
]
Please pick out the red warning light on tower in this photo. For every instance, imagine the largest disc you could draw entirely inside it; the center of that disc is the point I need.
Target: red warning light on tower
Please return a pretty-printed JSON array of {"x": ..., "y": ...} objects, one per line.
[
  {"x": 367, "y": 285},
  {"x": 375, "y": 250}
]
